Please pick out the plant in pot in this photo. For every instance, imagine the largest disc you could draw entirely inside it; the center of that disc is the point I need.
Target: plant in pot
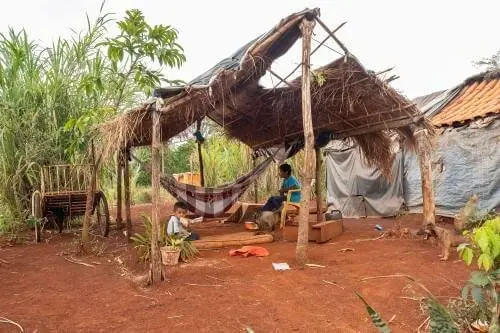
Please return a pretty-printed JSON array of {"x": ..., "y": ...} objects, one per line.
[{"x": 181, "y": 244}]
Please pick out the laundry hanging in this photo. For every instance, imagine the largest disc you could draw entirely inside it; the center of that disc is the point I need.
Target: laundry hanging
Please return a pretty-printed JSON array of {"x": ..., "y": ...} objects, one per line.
[{"x": 214, "y": 201}]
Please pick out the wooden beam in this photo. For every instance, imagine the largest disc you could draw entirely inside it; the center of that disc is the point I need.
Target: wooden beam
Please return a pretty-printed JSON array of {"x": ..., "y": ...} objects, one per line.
[
  {"x": 119, "y": 190},
  {"x": 306, "y": 27},
  {"x": 156, "y": 275},
  {"x": 255, "y": 183},
  {"x": 126, "y": 183},
  {"x": 279, "y": 77},
  {"x": 319, "y": 196},
  {"x": 200, "y": 156},
  {"x": 313, "y": 51},
  {"x": 324, "y": 26},
  {"x": 424, "y": 158}
]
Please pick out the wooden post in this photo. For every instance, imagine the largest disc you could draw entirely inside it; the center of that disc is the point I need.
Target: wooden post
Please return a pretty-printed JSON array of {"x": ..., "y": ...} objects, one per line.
[
  {"x": 126, "y": 184},
  {"x": 156, "y": 265},
  {"x": 319, "y": 197},
  {"x": 200, "y": 156},
  {"x": 89, "y": 204},
  {"x": 306, "y": 27},
  {"x": 255, "y": 183},
  {"x": 424, "y": 158},
  {"x": 119, "y": 190}
]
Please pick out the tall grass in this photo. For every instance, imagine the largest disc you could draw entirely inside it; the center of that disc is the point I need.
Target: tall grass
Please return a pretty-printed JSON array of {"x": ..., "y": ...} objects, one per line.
[{"x": 41, "y": 89}]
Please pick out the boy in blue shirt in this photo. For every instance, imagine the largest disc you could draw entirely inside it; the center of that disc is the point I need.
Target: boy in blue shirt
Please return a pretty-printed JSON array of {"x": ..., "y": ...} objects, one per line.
[{"x": 289, "y": 183}]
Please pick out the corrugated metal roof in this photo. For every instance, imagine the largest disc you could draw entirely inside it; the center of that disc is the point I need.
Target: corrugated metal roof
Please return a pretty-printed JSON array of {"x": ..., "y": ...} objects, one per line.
[{"x": 476, "y": 99}]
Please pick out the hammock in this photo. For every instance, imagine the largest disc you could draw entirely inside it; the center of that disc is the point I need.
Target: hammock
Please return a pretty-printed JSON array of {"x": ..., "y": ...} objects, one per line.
[{"x": 214, "y": 201}]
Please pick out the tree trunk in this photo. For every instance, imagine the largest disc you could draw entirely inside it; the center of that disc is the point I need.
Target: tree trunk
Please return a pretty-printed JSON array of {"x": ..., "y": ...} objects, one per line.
[
  {"x": 119, "y": 190},
  {"x": 156, "y": 265},
  {"x": 424, "y": 158},
  {"x": 306, "y": 27},
  {"x": 319, "y": 197},
  {"x": 126, "y": 183},
  {"x": 89, "y": 204},
  {"x": 200, "y": 157}
]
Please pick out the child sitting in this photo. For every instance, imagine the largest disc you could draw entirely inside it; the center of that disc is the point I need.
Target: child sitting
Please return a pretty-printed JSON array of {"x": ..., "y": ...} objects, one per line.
[{"x": 178, "y": 224}]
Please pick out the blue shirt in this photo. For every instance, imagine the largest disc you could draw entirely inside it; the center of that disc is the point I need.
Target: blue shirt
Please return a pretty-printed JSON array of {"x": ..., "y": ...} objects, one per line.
[{"x": 291, "y": 181}]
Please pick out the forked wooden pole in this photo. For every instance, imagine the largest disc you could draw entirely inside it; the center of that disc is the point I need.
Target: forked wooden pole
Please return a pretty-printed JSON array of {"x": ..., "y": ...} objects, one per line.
[
  {"x": 319, "y": 197},
  {"x": 306, "y": 27},
  {"x": 424, "y": 158},
  {"x": 156, "y": 265},
  {"x": 126, "y": 183},
  {"x": 119, "y": 190}
]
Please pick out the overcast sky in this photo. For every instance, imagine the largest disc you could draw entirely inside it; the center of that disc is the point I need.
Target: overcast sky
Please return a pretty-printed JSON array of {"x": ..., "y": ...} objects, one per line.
[{"x": 430, "y": 43}]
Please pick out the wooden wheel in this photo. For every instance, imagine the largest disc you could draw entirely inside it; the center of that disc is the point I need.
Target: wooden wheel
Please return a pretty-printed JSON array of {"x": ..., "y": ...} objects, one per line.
[{"x": 100, "y": 218}]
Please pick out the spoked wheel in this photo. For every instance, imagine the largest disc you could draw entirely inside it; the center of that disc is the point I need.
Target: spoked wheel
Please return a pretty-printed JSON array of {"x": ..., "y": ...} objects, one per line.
[{"x": 100, "y": 218}]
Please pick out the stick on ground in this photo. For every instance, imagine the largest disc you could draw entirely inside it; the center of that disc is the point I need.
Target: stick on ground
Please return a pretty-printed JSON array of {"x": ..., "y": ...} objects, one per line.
[
  {"x": 8, "y": 321},
  {"x": 78, "y": 262},
  {"x": 334, "y": 284}
]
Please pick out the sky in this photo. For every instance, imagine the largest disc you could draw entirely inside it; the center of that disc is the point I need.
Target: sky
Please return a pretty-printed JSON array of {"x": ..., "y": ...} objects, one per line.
[{"x": 431, "y": 44}]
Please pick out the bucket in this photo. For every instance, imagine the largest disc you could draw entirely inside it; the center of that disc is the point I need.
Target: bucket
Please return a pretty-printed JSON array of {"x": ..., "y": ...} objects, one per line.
[{"x": 170, "y": 255}]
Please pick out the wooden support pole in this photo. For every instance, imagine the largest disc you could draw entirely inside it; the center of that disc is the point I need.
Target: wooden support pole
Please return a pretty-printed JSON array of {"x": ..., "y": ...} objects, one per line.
[
  {"x": 424, "y": 158},
  {"x": 306, "y": 27},
  {"x": 156, "y": 265},
  {"x": 319, "y": 197},
  {"x": 119, "y": 190},
  {"x": 126, "y": 183},
  {"x": 89, "y": 204},
  {"x": 324, "y": 26},
  {"x": 200, "y": 156},
  {"x": 255, "y": 183}
]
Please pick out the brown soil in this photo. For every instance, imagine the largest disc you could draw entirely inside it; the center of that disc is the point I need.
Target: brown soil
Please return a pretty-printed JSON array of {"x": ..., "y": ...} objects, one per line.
[{"x": 217, "y": 293}]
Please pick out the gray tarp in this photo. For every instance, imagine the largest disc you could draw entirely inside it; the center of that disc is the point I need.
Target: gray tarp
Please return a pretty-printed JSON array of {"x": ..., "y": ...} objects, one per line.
[
  {"x": 467, "y": 162},
  {"x": 357, "y": 190}
]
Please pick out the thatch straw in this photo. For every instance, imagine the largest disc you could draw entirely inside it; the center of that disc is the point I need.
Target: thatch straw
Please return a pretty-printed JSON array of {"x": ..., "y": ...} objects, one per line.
[{"x": 347, "y": 101}]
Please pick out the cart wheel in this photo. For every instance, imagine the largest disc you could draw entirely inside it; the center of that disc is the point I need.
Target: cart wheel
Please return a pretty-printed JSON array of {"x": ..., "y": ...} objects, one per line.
[{"x": 100, "y": 219}]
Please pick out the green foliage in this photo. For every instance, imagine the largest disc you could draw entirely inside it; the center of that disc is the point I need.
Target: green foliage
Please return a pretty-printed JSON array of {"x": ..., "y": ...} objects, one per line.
[
  {"x": 377, "y": 320},
  {"x": 188, "y": 251},
  {"x": 483, "y": 285},
  {"x": 52, "y": 96},
  {"x": 441, "y": 320},
  {"x": 178, "y": 159},
  {"x": 143, "y": 241},
  {"x": 485, "y": 245}
]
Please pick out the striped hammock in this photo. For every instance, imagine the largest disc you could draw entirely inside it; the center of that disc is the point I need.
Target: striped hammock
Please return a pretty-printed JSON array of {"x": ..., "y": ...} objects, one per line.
[{"x": 214, "y": 201}]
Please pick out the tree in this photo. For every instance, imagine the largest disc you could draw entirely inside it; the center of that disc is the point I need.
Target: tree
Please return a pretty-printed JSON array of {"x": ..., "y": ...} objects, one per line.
[
  {"x": 129, "y": 53},
  {"x": 490, "y": 64}
]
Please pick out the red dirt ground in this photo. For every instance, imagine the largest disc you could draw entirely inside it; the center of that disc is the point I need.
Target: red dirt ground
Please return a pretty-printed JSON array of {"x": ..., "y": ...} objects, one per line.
[{"x": 216, "y": 293}]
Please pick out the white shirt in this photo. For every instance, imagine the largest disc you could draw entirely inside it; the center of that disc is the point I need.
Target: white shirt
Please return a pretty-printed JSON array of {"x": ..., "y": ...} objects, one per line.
[{"x": 175, "y": 226}]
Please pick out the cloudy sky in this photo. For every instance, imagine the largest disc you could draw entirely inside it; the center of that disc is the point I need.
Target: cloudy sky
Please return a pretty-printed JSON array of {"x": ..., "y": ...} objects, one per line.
[{"x": 430, "y": 43}]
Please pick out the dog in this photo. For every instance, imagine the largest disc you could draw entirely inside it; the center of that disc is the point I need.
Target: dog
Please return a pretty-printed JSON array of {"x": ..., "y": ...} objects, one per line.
[
  {"x": 466, "y": 213},
  {"x": 446, "y": 238},
  {"x": 56, "y": 216}
]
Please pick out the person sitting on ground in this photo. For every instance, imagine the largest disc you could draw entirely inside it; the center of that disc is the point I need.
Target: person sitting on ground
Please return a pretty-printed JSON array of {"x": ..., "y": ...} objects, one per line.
[
  {"x": 289, "y": 183},
  {"x": 178, "y": 224}
]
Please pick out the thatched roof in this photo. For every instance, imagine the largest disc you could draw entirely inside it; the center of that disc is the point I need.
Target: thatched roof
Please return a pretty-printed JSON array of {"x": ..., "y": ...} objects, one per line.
[{"x": 347, "y": 101}]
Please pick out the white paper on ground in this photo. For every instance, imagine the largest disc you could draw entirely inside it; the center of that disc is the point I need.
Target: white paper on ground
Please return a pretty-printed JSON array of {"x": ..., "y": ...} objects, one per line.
[{"x": 280, "y": 266}]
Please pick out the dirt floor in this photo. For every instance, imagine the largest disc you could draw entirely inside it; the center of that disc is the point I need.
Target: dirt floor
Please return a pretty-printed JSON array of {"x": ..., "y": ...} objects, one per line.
[{"x": 44, "y": 292}]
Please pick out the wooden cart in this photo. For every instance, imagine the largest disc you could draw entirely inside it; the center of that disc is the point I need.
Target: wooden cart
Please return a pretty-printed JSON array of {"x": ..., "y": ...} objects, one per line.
[{"x": 63, "y": 192}]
